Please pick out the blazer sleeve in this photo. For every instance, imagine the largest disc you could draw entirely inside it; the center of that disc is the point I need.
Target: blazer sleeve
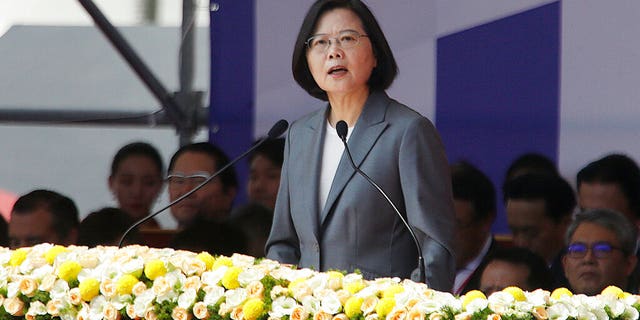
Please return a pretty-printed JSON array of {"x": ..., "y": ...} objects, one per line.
[
  {"x": 283, "y": 244},
  {"x": 426, "y": 184}
]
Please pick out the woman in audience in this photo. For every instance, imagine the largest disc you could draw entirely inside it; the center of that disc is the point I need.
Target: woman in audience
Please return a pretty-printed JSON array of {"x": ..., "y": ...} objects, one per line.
[{"x": 136, "y": 180}]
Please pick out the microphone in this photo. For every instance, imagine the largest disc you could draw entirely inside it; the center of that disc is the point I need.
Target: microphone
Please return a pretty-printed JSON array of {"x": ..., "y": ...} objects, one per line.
[
  {"x": 277, "y": 130},
  {"x": 341, "y": 129}
]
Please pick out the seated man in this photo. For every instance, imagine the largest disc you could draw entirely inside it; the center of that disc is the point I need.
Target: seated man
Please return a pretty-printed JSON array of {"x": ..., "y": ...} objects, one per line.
[
  {"x": 474, "y": 199},
  {"x": 515, "y": 266},
  {"x": 43, "y": 216},
  {"x": 539, "y": 209},
  {"x": 600, "y": 251},
  {"x": 191, "y": 165}
]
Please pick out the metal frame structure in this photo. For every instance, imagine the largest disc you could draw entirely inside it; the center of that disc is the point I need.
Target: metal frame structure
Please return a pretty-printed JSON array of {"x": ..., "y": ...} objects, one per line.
[{"x": 182, "y": 109}]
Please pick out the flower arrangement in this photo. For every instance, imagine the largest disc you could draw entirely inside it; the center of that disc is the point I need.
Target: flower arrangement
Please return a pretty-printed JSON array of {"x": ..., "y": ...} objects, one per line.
[{"x": 137, "y": 282}]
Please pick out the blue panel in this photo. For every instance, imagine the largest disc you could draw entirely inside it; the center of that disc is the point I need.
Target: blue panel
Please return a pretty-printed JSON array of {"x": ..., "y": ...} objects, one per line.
[
  {"x": 231, "y": 115},
  {"x": 497, "y": 92}
]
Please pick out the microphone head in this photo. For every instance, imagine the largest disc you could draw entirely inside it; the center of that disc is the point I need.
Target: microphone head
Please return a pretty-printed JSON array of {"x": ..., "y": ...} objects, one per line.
[
  {"x": 278, "y": 129},
  {"x": 342, "y": 129}
]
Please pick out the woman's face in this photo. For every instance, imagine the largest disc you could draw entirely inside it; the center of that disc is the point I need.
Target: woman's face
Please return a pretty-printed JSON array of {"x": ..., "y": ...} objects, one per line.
[
  {"x": 136, "y": 184},
  {"x": 339, "y": 70}
]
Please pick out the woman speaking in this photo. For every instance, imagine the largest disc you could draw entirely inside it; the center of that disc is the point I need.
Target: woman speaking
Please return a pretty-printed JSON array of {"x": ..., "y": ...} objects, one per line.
[{"x": 326, "y": 215}]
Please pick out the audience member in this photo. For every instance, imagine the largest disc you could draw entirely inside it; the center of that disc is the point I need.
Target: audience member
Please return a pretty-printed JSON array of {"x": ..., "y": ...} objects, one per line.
[
  {"x": 136, "y": 180},
  {"x": 254, "y": 220},
  {"x": 474, "y": 200},
  {"x": 105, "y": 227},
  {"x": 190, "y": 166},
  {"x": 515, "y": 267},
  {"x": 43, "y": 216},
  {"x": 530, "y": 163},
  {"x": 216, "y": 238},
  {"x": 600, "y": 252},
  {"x": 612, "y": 182},
  {"x": 539, "y": 209},
  {"x": 265, "y": 164},
  {"x": 4, "y": 233}
]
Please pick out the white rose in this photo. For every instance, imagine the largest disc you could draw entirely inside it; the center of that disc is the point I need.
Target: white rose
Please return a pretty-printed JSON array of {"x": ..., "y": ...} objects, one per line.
[
  {"x": 311, "y": 304},
  {"x": 282, "y": 306},
  {"x": 330, "y": 304},
  {"x": 250, "y": 275},
  {"x": 212, "y": 278},
  {"x": 235, "y": 297},
  {"x": 179, "y": 313},
  {"x": 193, "y": 283},
  {"x": 187, "y": 298},
  {"x": 213, "y": 294},
  {"x": 14, "y": 306},
  {"x": 200, "y": 310},
  {"x": 241, "y": 260}
]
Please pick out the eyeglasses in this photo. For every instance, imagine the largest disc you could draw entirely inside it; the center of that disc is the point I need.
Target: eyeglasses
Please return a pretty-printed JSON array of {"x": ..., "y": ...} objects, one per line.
[
  {"x": 178, "y": 179},
  {"x": 345, "y": 39},
  {"x": 600, "y": 250}
]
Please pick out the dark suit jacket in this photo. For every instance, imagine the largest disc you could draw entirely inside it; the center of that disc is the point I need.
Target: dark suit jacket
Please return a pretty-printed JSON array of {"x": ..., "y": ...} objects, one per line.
[
  {"x": 357, "y": 229},
  {"x": 474, "y": 281}
]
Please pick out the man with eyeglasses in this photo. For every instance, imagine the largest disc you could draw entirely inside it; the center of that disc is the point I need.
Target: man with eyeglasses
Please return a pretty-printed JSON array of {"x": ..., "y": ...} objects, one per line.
[
  {"x": 600, "y": 252},
  {"x": 190, "y": 166}
]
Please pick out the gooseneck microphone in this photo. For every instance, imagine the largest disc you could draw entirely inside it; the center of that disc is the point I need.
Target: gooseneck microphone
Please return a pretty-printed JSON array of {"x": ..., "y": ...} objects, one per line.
[
  {"x": 342, "y": 129},
  {"x": 277, "y": 130}
]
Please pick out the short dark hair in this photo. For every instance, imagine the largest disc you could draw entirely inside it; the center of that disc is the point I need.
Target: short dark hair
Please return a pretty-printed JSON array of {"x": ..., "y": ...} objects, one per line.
[
  {"x": 559, "y": 199},
  {"x": 272, "y": 149},
  {"x": 63, "y": 209},
  {"x": 137, "y": 149},
  {"x": 217, "y": 238},
  {"x": 618, "y": 169},
  {"x": 227, "y": 177},
  {"x": 540, "y": 275},
  {"x": 383, "y": 74},
  {"x": 470, "y": 184},
  {"x": 614, "y": 221},
  {"x": 105, "y": 227},
  {"x": 531, "y": 162}
]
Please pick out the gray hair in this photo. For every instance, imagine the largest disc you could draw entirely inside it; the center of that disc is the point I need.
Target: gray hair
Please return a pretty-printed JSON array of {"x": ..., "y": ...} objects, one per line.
[{"x": 616, "y": 222}]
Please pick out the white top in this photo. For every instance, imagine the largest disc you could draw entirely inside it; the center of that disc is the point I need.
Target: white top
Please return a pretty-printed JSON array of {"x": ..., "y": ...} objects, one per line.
[
  {"x": 331, "y": 154},
  {"x": 463, "y": 274}
]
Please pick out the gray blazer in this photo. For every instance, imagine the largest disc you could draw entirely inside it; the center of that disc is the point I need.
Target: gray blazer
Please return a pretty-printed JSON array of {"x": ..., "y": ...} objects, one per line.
[{"x": 358, "y": 229}]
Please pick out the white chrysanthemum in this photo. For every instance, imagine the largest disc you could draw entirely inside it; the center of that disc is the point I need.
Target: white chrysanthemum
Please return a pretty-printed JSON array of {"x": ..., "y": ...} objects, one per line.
[
  {"x": 132, "y": 266},
  {"x": 142, "y": 303},
  {"x": 282, "y": 306}
]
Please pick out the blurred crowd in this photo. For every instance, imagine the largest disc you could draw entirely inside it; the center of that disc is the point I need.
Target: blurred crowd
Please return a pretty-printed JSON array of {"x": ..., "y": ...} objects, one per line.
[{"x": 583, "y": 239}]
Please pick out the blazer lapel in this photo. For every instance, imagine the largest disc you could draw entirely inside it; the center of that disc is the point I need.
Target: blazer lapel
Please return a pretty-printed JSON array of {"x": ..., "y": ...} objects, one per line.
[
  {"x": 315, "y": 136},
  {"x": 369, "y": 127}
]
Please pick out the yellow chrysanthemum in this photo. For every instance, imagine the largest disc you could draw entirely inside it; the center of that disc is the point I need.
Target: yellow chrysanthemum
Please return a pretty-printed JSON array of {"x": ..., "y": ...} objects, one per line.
[
  {"x": 391, "y": 291},
  {"x": 125, "y": 284},
  {"x": 335, "y": 275},
  {"x": 51, "y": 255},
  {"x": 613, "y": 291},
  {"x": 252, "y": 309},
  {"x": 89, "y": 289},
  {"x": 222, "y": 261},
  {"x": 230, "y": 278},
  {"x": 352, "y": 306},
  {"x": 516, "y": 293},
  {"x": 207, "y": 258},
  {"x": 18, "y": 256},
  {"x": 384, "y": 306},
  {"x": 68, "y": 270},
  {"x": 293, "y": 284},
  {"x": 354, "y": 287},
  {"x": 154, "y": 269},
  {"x": 472, "y": 295},
  {"x": 559, "y": 292}
]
